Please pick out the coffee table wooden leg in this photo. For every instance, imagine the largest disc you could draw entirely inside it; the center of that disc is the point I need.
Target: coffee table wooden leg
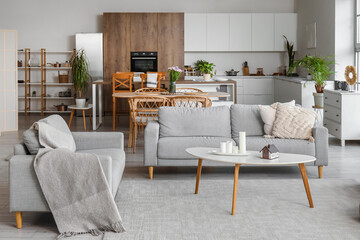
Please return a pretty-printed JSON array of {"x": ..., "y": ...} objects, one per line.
[
  {"x": 83, "y": 112},
  {"x": 306, "y": 183},
  {"x": 71, "y": 116},
  {"x": 198, "y": 176},
  {"x": 236, "y": 176}
]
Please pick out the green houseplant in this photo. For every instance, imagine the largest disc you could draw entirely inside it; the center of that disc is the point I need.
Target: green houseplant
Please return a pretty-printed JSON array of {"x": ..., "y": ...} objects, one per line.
[
  {"x": 80, "y": 75},
  {"x": 291, "y": 55},
  {"x": 320, "y": 68},
  {"x": 206, "y": 68},
  {"x": 174, "y": 74}
]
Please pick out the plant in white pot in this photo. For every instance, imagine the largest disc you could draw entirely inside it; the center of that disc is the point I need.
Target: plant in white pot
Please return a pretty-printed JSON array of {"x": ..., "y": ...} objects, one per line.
[
  {"x": 80, "y": 75},
  {"x": 320, "y": 68},
  {"x": 206, "y": 68}
]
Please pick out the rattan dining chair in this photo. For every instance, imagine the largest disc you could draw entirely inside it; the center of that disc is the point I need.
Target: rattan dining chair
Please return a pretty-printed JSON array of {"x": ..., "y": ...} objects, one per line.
[
  {"x": 188, "y": 90},
  {"x": 160, "y": 77},
  {"x": 122, "y": 82},
  {"x": 142, "y": 110},
  {"x": 190, "y": 101}
]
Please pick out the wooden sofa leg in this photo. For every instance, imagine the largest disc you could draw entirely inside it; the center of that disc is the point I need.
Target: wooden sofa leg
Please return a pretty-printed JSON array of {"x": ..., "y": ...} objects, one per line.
[
  {"x": 18, "y": 217},
  {"x": 151, "y": 170},
  {"x": 320, "y": 169}
]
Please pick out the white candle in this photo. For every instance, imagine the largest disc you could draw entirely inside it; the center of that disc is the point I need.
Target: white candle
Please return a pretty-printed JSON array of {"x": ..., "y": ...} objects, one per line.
[
  {"x": 242, "y": 142},
  {"x": 229, "y": 146},
  {"x": 223, "y": 147},
  {"x": 235, "y": 150}
]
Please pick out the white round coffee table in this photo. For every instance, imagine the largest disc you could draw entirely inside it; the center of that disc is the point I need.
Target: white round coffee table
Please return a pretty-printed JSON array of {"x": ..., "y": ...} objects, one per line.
[
  {"x": 73, "y": 108},
  {"x": 254, "y": 158}
]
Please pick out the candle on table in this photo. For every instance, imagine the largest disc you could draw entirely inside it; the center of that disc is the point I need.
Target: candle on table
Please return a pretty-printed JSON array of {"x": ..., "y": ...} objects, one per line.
[
  {"x": 242, "y": 142},
  {"x": 229, "y": 146},
  {"x": 223, "y": 147}
]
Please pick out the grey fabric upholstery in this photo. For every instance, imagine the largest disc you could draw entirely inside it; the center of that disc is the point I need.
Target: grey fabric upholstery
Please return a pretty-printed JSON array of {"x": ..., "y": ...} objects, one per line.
[
  {"x": 183, "y": 122},
  {"x": 31, "y": 140},
  {"x": 178, "y": 129},
  {"x": 25, "y": 192},
  {"x": 246, "y": 118},
  {"x": 174, "y": 147},
  {"x": 151, "y": 139},
  {"x": 24, "y": 189}
]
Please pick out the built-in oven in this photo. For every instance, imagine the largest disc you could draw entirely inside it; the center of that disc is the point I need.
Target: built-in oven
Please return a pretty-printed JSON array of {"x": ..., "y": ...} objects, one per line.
[{"x": 144, "y": 62}]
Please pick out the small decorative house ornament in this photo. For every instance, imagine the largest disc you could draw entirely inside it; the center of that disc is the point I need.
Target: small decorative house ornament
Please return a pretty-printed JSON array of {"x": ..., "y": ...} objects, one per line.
[{"x": 269, "y": 152}]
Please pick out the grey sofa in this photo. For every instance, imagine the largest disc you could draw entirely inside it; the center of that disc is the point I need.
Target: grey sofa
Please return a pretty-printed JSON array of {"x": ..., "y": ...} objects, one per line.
[
  {"x": 181, "y": 128},
  {"x": 25, "y": 192}
]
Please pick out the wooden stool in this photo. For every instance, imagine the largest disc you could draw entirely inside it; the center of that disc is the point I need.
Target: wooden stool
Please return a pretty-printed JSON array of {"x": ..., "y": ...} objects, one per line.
[{"x": 74, "y": 108}]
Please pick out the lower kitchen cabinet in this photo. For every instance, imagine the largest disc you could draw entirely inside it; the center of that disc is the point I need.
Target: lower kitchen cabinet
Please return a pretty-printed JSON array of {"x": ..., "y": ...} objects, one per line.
[
  {"x": 341, "y": 114},
  {"x": 258, "y": 99}
]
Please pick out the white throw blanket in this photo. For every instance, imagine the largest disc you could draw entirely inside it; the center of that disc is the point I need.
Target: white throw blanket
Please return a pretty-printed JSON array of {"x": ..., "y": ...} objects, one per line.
[{"x": 74, "y": 184}]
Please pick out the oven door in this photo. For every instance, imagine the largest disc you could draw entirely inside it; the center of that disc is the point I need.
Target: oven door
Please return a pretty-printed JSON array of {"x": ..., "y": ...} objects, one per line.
[{"x": 144, "y": 64}]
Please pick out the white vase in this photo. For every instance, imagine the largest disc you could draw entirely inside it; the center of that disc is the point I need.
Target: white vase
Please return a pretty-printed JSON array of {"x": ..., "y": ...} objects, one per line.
[
  {"x": 319, "y": 99},
  {"x": 207, "y": 77},
  {"x": 80, "y": 102}
]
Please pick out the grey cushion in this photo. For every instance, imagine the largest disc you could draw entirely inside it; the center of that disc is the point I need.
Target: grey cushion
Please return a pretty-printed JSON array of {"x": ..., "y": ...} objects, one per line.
[
  {"x": 118, "y": 163},
  {"x": 296, "y": 146},
  {"x": 174, "y": 147},
  {"x": 246, "y": 118},
  {"x": 181, "y": 121}
]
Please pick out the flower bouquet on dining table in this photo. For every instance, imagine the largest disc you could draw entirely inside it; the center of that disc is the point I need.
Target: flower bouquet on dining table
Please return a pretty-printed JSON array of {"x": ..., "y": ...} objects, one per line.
[{"x": 174, "y": 73}]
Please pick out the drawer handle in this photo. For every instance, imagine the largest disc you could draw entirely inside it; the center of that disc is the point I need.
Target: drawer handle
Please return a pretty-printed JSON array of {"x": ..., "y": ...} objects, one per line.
[
  {"x": 324, "y": 124},
  {"x": 336, "y": 129},
  {"x": 325, "y": 110},
  {"x": 337, "y": 115},
  {"x": 325, "y": 97},
  {"x": 337, "y": 100}
]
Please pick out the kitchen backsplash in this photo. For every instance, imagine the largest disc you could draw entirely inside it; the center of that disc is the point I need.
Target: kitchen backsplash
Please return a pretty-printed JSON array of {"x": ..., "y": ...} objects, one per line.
[{"x": 269, "y": 61}]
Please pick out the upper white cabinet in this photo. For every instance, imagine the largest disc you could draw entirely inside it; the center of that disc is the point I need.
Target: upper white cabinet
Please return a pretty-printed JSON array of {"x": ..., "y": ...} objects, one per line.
[
  {"x": 240, "y": 32},
  {"x": 195, "y": 32},
  {"x": 223, "y": 32},
  {"x": 285, "y": 24},
  {"x": 217, "y": 32},
  {"x": 262, "y": 32}
]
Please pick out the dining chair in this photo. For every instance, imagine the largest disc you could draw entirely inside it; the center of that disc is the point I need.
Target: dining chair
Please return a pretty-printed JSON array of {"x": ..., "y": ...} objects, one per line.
[
  {"x": 150, "y": 90},
  {"x": 190, "y": 101},
  {"x": 188, "y": 90},
  {"x": 142, "y": 110},
  {"x": 122, "y": 82},
  {"x": 160, "y": 77}
]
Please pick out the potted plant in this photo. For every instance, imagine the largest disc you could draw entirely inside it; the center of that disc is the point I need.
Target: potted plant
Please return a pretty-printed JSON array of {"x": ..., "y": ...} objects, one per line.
[
  {"x": 174, "y": 73},
  {"x": 320, "y": 69},
  {"x": 206, "y": 68},
  {"x": 80, "y": 75},
  {"x": 291, "y": 55}
]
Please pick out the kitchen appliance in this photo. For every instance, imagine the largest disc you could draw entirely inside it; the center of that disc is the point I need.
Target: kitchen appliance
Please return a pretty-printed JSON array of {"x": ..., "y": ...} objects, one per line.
[
  {"x": 144, "y": 62},
  {"x": 246, "y": 71},
  {"x": 232, "y": 72}
]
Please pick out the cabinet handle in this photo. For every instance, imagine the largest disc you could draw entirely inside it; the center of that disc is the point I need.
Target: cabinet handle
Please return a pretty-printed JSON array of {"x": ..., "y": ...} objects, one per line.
[
  {"x": 324, "y": 124},
  {"x": 335, "y": 129},
  {"x": 325, "y": 97},
  {"x": 337, "y": 115},
  {"x": 337, "y": 100},
  {"x": 325, "y": 110}
]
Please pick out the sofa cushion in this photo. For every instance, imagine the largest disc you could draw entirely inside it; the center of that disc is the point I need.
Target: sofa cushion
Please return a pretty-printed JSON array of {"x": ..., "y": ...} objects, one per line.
[
  {"x": 297, "y": 146},
  {"x": 246, "y": 118},
  {"x": 187, "y": 122},
  {"x": 174, "y": 147},
  {"x": 118, "y": 163}
]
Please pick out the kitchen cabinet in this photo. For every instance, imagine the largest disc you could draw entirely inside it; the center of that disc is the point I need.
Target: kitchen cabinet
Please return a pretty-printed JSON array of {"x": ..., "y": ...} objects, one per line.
[
  {"x": 217, "y": 32},
  {"x": 259, "y": 86},
  {"x": 240, "y": 32},
  {"x": 255, "y": 99},
  {"x": 285, "y": 25},
  {"x": 195, "y": 32},
  {"x": 262, "y": 31},
  {"x": 144, "y": 36}
]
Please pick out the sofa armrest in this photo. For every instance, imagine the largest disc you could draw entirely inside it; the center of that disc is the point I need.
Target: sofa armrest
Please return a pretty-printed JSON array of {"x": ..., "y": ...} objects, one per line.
[
  {"x": 20, "y": 149},
  {"x": 96, "y": 140},
  {"x": 321, "y": 137},
  {"x": 151, "y": 139}
]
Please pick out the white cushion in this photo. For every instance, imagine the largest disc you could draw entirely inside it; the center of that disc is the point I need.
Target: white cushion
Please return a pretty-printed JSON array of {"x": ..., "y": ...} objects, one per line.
[
  {"x": 151, "y": 80},
  {"x": 268, "y": 115}
]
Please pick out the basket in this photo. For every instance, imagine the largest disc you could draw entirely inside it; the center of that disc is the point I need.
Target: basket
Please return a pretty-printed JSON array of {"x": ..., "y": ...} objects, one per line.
[{"x": 63, "y": 78}]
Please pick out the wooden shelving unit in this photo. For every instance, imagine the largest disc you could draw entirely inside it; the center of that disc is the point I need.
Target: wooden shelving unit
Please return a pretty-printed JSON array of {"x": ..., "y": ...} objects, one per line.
[{"x": 43, "y": 84}]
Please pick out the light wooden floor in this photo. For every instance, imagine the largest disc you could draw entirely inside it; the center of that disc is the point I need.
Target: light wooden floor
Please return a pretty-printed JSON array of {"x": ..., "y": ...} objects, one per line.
[{"x": 344, "y": 163}]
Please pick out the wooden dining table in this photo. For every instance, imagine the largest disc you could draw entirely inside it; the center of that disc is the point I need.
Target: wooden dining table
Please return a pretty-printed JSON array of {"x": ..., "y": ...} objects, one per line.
[{"x": 158, "y": 94}]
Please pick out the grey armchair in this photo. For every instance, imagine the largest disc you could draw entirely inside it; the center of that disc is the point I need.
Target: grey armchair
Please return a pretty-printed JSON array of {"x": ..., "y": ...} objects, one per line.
[{"x": 25, "y": 191}]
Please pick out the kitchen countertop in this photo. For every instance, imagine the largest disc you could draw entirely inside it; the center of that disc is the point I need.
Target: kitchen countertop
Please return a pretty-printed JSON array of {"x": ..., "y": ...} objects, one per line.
[{"x": 199, "y": 81}]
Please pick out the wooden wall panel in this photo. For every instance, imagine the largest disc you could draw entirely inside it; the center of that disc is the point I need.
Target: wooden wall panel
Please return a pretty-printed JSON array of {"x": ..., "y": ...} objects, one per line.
[
  {"x": 170, "y": 40},
  {"x": 116, "y": 34},
  {"x": 144, "y": 35}
]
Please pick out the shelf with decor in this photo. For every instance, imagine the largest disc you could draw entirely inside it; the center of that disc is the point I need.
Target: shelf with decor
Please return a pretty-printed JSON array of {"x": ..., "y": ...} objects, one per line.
[{"x": 36, "y": 62}]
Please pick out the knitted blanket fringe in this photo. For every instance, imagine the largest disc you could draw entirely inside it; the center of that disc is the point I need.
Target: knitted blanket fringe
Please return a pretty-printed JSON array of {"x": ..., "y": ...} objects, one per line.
[{"x": 114, "y": 227}]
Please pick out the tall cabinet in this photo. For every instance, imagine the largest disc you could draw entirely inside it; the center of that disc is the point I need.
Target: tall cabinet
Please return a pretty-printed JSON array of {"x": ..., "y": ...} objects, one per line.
[{"x": 8, "y": 81}]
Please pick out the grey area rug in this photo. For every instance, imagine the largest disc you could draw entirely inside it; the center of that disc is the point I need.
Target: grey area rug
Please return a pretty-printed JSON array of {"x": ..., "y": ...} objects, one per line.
[{"x": 266, "y": 209}]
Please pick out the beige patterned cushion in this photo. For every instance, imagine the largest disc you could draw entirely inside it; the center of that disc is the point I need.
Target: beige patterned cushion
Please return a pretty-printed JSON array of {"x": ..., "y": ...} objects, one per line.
[{"x": 294, "y": 122}]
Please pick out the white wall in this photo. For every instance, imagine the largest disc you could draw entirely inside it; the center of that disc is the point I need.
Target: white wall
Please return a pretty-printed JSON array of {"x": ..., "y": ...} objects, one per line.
[
  {"x": 52, "y": 24},
  {"x": 270, "y": 62}
]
